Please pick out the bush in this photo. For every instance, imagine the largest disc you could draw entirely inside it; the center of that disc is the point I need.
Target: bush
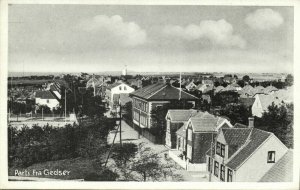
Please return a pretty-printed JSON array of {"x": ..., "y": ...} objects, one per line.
[{"x": 104, "y": 175}]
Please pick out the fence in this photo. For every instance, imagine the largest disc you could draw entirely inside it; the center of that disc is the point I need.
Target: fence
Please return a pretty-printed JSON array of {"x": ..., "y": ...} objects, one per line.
[{"x": 29, "y": 115}]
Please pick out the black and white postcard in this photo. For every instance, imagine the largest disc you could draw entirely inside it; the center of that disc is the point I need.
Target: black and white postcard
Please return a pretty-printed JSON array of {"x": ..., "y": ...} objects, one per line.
[{"x": 133, "y": 95}]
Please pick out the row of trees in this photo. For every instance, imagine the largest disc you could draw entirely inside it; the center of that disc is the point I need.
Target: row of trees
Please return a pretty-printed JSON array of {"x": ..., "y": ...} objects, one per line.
[{"x": 39, "y": 144}]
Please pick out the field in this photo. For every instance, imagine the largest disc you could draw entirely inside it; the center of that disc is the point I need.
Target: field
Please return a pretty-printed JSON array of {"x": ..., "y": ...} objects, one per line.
[{"x": 28, "y": 82}]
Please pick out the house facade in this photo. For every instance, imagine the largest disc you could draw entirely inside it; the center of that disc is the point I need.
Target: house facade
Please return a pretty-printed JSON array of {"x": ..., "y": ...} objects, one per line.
[
  {"x": 150, "y": 97},
  {"x": 243, "y": 154},
  {"x": 115, "y": 90},
  {"x": 46, "y": 98},
  {"x": 175, "y": 119}
]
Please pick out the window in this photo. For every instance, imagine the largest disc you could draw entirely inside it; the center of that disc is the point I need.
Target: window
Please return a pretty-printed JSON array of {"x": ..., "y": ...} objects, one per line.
[
  {"x": 271, "y": 157},
  {"x": 189, "y": 151},
  {"x": 189, "y": 134},
  {"x": 218, "y": 148},
  {"x": 47, "y": 101},
  {"x": 216, "y": 169},
  {"x": 229, "y": 175},
  {"x": 222, "y": 150},
  {"x": 222, "y": 173},
  {"x": 125, "y": 88},
  {"x": 120, "y": 87}
]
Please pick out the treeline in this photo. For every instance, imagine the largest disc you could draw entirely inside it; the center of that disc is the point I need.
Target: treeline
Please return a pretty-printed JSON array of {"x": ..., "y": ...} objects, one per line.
[{"x": 28, "y": 146}]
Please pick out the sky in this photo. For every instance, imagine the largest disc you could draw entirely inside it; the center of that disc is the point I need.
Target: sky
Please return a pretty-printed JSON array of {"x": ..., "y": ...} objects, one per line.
[{"x": 157, "y": 38}]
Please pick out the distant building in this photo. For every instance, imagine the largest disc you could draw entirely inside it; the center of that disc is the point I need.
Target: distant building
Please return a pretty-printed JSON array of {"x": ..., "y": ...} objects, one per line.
[
  {"x": 262, "y": 101},
  {"x": 124, "y": 71},
  {"x": 46, "y": 98},
  {"x": 115, "y": 90},
  {"x": 248, "y": 155}
]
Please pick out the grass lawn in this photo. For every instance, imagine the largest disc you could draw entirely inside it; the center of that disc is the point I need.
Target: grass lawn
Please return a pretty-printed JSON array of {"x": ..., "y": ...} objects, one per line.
[{"x": 78, "y": 167}]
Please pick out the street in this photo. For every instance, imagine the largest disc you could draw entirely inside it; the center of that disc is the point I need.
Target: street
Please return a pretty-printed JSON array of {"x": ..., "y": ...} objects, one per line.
[{"x": 130, "y": 135}]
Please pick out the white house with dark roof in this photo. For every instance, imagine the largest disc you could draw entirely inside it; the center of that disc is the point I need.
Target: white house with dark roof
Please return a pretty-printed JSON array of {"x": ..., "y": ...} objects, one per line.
[
  {"x": 116, "y": 90},
  {"x": 244, "y": 155},
  {"x": 262, "y": 101},
  {"x": 46, "y": 98}
]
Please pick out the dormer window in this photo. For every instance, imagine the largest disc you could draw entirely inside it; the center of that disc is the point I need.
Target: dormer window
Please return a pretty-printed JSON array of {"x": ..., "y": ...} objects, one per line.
[
  {"x": 220, "y": 149},
  {"x": 271, "y": 157}
]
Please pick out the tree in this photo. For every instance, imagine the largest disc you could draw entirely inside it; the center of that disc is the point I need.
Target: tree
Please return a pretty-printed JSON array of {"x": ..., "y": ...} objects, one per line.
[
  {"x": 246, "y": 78},
  {"x": 151, "y": 166},
  {"x": 278, "y": 120},
  {"x": 237, "y": 113},
  {"x": 225, "y": 97},
  {"x": 289, "y": 80},
  {"x": 123, "y": 154}
]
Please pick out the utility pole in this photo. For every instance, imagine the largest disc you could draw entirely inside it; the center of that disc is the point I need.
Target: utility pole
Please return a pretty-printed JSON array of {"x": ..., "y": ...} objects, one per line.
[
  {"x": 180, "y": 85},
  {"x": 210, "y": 164},
  {"x": 65, "y": 105},
  {"x": 120, "y": 122},
  {"x": 42, "y": 113}
]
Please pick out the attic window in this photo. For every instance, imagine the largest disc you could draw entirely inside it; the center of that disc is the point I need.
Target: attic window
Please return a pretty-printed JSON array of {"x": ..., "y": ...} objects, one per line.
[{"x": 271, "y": 157}]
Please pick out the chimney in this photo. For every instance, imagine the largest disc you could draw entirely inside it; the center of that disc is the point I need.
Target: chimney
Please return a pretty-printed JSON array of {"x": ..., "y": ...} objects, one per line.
[{"x": 250, "y": 122}]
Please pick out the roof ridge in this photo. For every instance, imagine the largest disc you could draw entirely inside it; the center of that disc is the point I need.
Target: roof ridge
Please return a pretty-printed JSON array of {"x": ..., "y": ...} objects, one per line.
[{"x": 157, "y": 91}]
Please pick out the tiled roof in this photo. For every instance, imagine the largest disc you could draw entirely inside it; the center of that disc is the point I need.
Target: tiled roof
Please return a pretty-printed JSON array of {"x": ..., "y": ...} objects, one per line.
[
  {"x": 204, "y": 122},
  {"x": 162, "y": 91},
  {"x": 181, "y": 115},
  {"x": 255, "y": 139},
  {"x": 236, "y": 136},
  {"x": 282, "y": 171},
  {"x": 44, "y": 95}
]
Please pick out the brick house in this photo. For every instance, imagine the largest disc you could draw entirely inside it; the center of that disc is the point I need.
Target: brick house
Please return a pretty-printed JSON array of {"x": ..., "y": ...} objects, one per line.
[
  {"x": 144, "y": 100},
  {"x": 238, "y": 150}
]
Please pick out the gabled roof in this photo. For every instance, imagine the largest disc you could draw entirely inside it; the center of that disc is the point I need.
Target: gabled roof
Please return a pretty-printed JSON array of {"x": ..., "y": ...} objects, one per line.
[
  {"x": 162, "y": 91},
  {"x": 44, "y": 95},
  {"x": 205, "y": 122},
  {"x": 255, "y": 139},
  {"x": 281, "y": 171},
  {"x": 181, "y": 115},
  {"x": 236, "y": 136}
]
